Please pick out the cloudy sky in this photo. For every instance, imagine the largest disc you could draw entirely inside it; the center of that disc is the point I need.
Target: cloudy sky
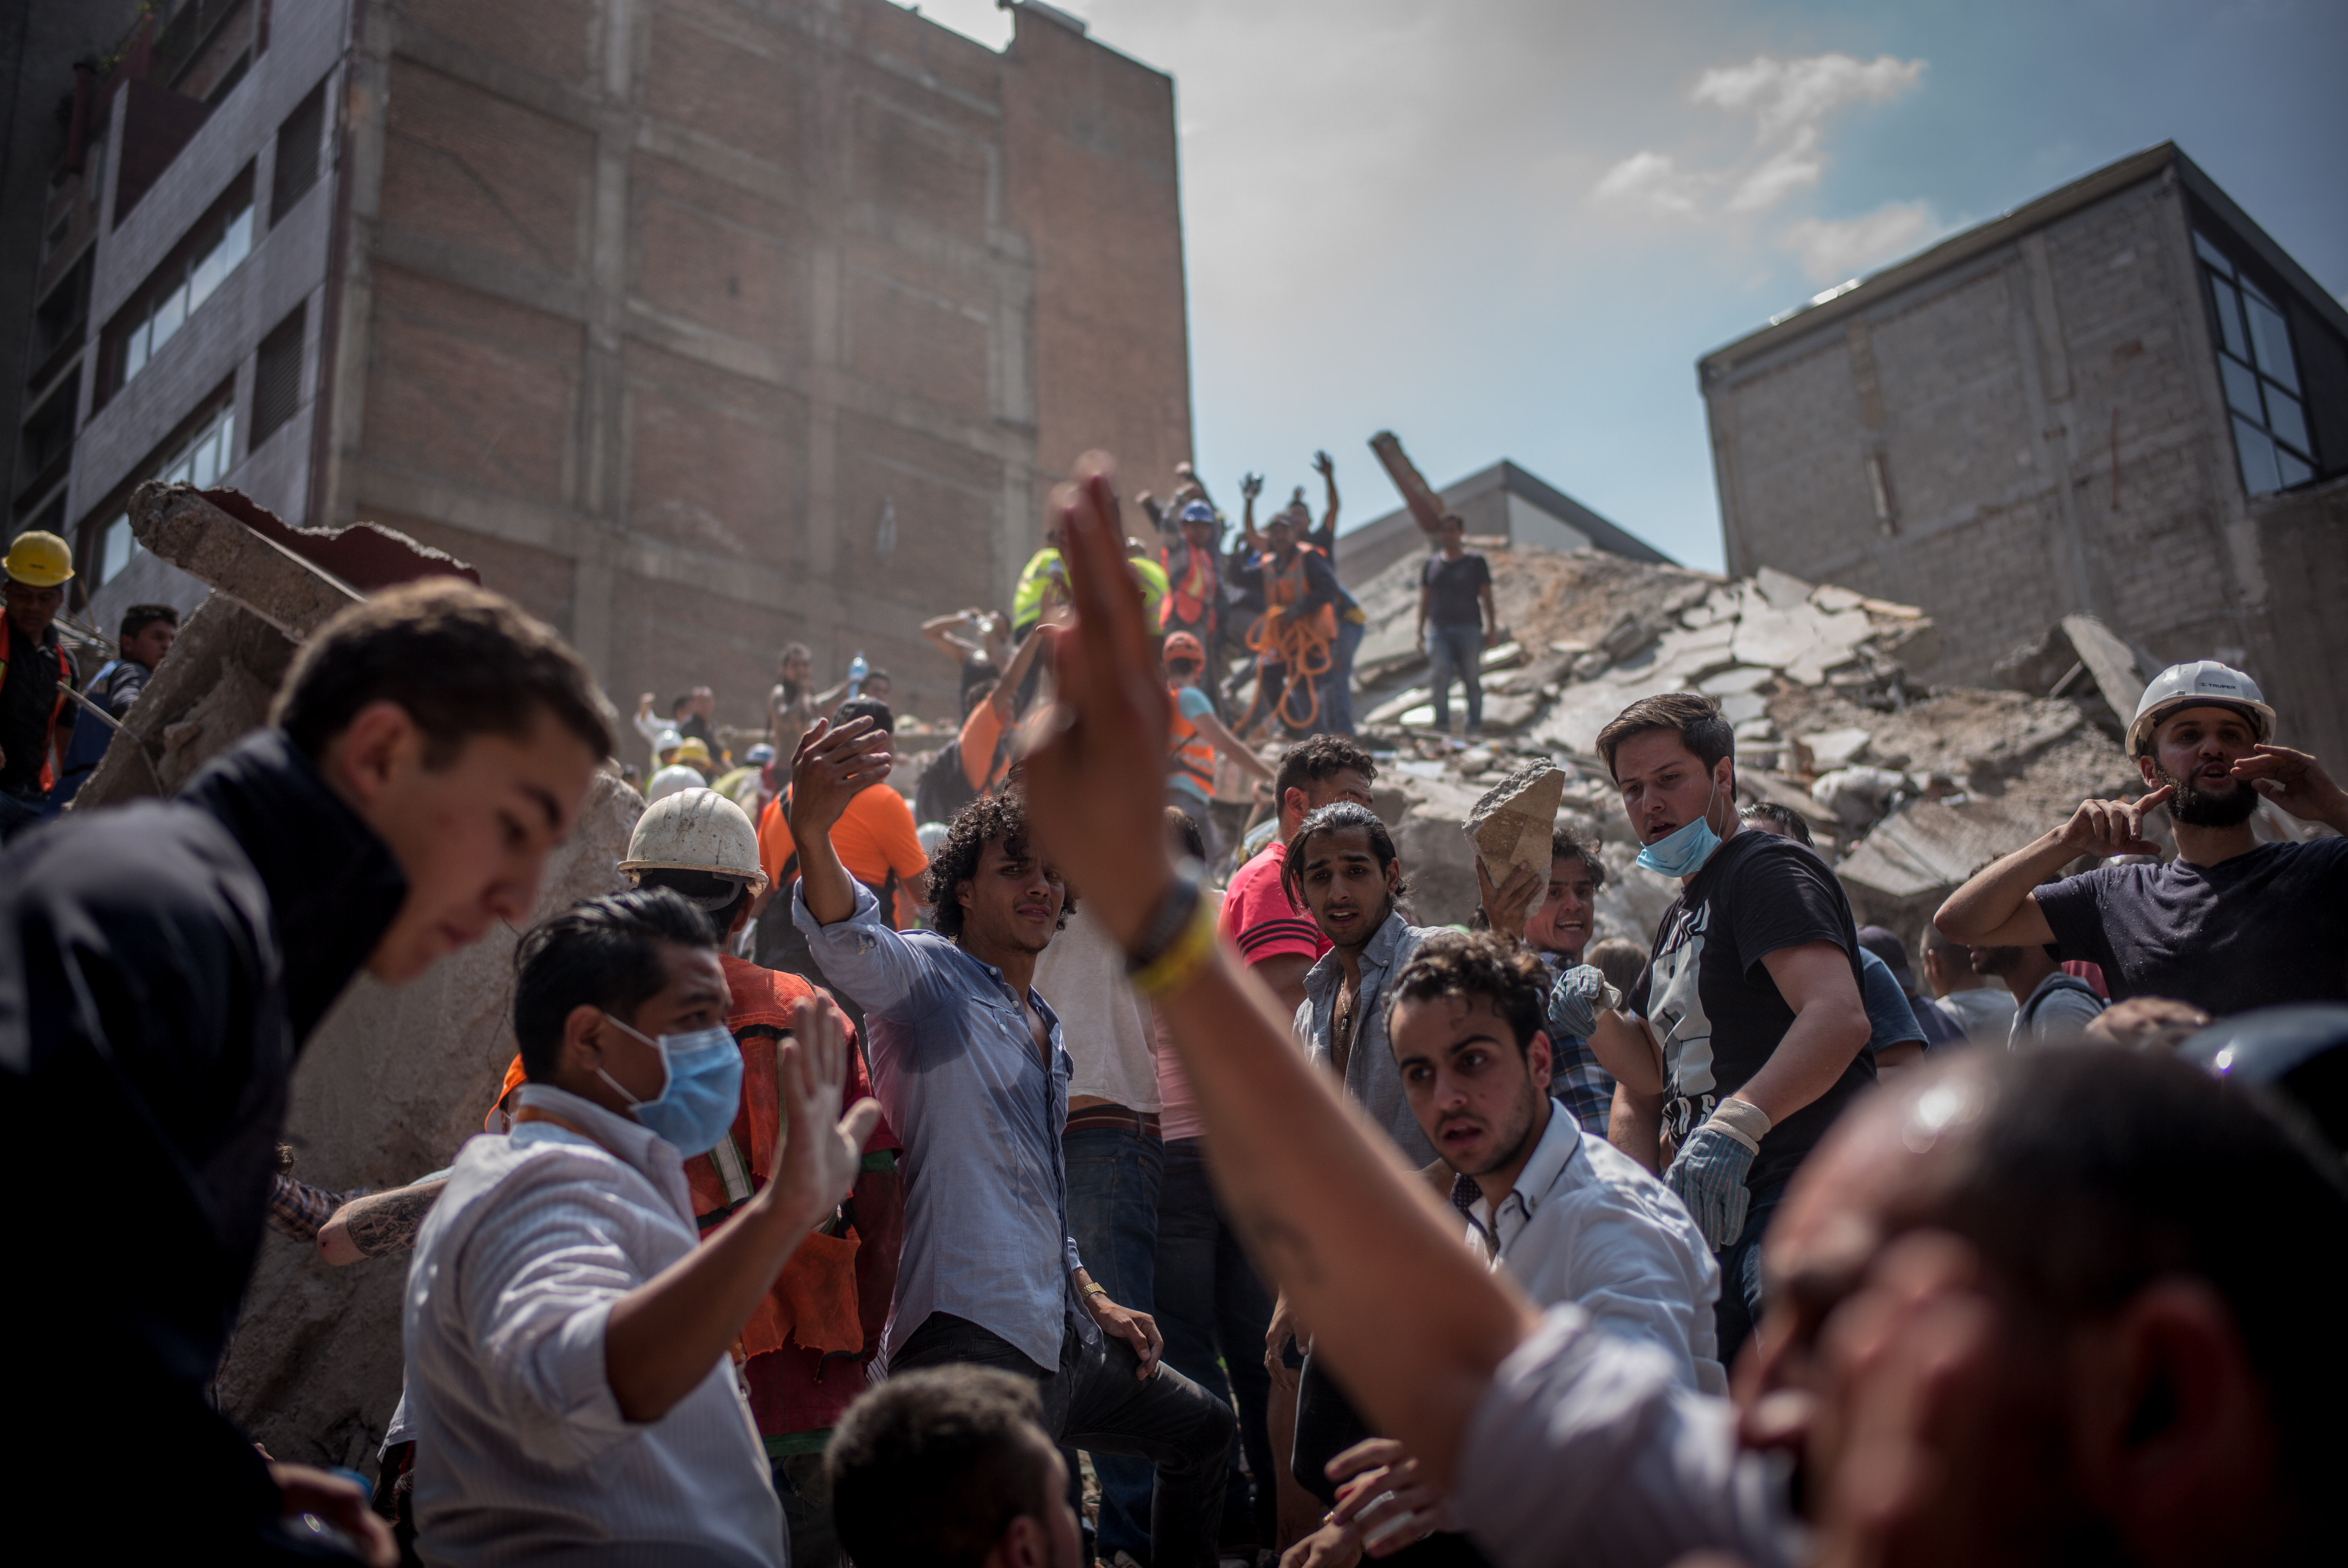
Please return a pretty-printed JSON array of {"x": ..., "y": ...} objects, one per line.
[{"x": 1508, "y": 228}]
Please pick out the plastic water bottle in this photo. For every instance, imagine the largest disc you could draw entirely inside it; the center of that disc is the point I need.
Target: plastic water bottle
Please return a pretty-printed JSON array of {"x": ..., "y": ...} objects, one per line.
[{"x": 856, "y": 671}]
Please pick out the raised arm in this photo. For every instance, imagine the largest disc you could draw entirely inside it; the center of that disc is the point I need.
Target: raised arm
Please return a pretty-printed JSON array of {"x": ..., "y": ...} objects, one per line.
[
  {"x": 940, "y": 630},
  {"x": 1327, "y": 466},
  {"x": 831, "y": 767},
  {"x": 1413, "y": 1326},
  {"x": 1995, "y": 910},
  {"x": 1006, "y": 690}
]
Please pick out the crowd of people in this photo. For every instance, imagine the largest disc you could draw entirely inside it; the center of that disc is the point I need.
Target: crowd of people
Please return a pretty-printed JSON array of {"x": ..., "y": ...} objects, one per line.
[{"x": 889, "y": 1152}]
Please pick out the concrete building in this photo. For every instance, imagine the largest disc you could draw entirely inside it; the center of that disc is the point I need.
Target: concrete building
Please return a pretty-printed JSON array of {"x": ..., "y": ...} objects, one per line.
[
  {"x": 2123, "y": 399},
  {"x": 1502, "y": 501},
  {"x": 697, "y": 326}
]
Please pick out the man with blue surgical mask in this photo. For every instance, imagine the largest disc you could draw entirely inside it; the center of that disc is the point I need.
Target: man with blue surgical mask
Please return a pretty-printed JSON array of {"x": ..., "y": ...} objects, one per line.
[
  {"x": 567, "y": 1382},
  {"x": 1744, "y": 1038}
]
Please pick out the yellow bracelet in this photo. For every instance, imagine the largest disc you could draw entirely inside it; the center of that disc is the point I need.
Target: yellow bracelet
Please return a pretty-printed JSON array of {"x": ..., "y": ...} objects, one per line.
[{"x": 1188, "y": 954}]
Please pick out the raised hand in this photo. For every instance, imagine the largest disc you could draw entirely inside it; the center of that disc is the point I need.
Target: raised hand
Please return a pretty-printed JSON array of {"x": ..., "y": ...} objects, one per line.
[
  {"x": 2295, "y": 781},
  {"x": 1096, "y": 787},
  {"x": 1324, "y": 465},
  {"x": 2109, "y": 827},
  {"x": 822, "y": 1150},
  {"x": 831, "y": 767},
  {"x": 1508, "y": 906},
  {"x": 1252, "y": 486}
]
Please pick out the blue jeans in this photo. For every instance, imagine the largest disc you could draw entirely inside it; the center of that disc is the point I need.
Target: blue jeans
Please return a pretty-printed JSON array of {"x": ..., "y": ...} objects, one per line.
[
  {"x": 1455, "y": 653},
  {"x": 1338, "y": 686},
  {"x": 1740, "y": 1273},
  {"x": 1215, "y": 1312},
  {"x": 1096, "y": 1399},
  {"x": 19, "y": 812},
  {"x": 1112, "y": 1179}
]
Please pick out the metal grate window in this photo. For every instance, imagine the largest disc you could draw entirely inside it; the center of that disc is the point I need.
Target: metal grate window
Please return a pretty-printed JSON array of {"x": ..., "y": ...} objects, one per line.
[
  {"x": 300, "y": 152},
  {"x": 277, "y": 378},
  {"x": 2260, "y": 376}
]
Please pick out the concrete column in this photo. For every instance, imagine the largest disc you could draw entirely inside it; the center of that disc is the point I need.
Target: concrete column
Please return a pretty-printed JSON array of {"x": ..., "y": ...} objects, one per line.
[{"x": 600, "y": 486}]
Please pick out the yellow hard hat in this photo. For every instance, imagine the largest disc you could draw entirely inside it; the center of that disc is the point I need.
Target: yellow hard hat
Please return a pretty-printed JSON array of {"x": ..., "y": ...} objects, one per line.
[{"x": 41, "y": 559}]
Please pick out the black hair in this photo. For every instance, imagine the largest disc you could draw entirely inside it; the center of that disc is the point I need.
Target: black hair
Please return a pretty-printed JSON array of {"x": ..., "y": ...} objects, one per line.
[
  {"x": 1178, "y": 822},
  {"x": 871, "y": 708},
  {"x": 1694, "y": 719},
  {"x": 981, "y": 822},
  {"x": 929, "y": 1468},
  {"x": 462, "y": 662},
  {"x": 1479, "y": 964},
  {"x": 1335, "y": 817},
  {"x": 1319, "y": 757},
  {"x": 604, "y": 953},
  {"x": 700, "y": 888},
  {"x": 1782, "y": 819},
  {"x": 2092, "y": 1172},
  {"x": 139, "y": 617},
  {"x": 977, "y": 691},
  {"x": 1569, "y": 843},
  {"x": 679, "y": 705}
]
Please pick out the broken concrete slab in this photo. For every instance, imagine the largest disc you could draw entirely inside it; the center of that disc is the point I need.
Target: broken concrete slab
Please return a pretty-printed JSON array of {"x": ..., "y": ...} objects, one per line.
[
  {"x": 2117, "y": 671},
  {"x": 1510, "y": 825},
  {"x": 1782, "y": 590},
  {"x": 1833, "y": 749},
  {"x": 1737, "y": 678}
]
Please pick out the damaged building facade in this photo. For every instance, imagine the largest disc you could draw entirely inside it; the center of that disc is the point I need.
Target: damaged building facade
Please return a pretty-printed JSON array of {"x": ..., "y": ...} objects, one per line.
[
  {"x": 2123, "y": 400},
  {"x": 696, "y": 325}
]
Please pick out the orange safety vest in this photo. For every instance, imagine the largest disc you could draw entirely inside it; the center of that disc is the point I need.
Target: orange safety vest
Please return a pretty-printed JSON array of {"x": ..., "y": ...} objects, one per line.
[
  {"x": 1188, "y": 750},
  {"x": 65, "y": 679},
  {"x": 1288, "y": 586},
  {"x": 813, "y": 1301},
  {"x": 1190, "y": 601}
]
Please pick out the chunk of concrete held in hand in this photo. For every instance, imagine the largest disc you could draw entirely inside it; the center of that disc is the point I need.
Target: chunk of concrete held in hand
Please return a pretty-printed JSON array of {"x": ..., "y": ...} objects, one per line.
[{"x": 1510, "y": 824}]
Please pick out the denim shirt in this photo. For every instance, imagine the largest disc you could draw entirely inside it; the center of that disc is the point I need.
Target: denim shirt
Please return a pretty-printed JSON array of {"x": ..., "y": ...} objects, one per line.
[
  {"x": 955, "y": 1067},
  {"x": 1371, "y": 1076}
]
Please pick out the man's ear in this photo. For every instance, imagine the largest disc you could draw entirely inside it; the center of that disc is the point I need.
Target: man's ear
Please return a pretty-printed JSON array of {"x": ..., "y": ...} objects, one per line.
[
  {"x": 368, "y": 756},
  {"x": 2172, "y": 1424},
  {"x": 1292, "y": 799},
  {"x": 1540, "y": 1059},
  {"x": 962, "y": 891},
  {"x": 2150, "y": 769},
  {"x": 583, "y": 1044},
  {"x": 1022, "y": 1544}
]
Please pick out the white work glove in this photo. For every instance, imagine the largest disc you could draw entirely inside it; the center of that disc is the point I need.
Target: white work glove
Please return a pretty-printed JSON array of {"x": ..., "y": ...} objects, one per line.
[
  {"x": 1575, "y": 1000},
  {"x": 1709, "y": 1175}
]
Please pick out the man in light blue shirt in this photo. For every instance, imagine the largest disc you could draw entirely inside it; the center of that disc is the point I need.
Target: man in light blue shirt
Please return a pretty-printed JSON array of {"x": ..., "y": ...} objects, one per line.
[{"x": 967, "y": 1060}]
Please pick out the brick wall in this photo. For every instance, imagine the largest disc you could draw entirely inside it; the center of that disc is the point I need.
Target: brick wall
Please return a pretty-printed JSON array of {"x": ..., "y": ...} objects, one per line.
[
  {"x": 689, "y": 295},
  {"x": 2042, "y": 412}
]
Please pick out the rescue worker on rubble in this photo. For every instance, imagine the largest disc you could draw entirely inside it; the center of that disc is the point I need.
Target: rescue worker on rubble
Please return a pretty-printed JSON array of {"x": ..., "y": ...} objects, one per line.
[
  {"x": 809, "y": 1338},
  {"x": 1294, "y": 637},
  {"x": 1194, "y": 599},
  {"x": 1195, "y": 735},
  {"x": 146, "y": 633},
  {"x": 34, "y": 674}
]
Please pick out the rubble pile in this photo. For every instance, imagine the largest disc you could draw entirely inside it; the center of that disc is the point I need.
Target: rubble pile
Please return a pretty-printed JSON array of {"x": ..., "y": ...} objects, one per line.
[{"x": 1906, "y": 787}]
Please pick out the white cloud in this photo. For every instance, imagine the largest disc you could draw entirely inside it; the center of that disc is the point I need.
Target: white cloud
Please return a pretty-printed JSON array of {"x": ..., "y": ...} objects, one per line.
[
  {"x": 1788, "y": 94},
  {"x": 1649, "y": 178},
  {"x": 1789, "y": 100},
  {"x": 1831, "y": 250}
]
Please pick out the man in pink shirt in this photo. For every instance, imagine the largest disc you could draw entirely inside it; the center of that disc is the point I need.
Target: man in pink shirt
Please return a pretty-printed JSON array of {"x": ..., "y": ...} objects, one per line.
[{"x": 1275, "y": 936}]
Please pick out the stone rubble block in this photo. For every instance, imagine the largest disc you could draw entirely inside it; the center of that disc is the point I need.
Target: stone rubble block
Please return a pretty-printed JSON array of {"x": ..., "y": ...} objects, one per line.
[{"x": 1510, "y": 825}]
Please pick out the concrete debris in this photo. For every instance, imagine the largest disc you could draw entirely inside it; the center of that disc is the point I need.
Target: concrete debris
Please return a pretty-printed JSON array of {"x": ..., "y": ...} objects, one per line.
[
  {"x": 1511, "y": 825},
  {"x": 1906, "y": 787}
]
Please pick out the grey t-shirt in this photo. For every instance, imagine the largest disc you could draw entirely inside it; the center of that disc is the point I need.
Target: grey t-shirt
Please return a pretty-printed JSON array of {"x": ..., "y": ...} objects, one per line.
[{"x": 2060, "y": 1006}]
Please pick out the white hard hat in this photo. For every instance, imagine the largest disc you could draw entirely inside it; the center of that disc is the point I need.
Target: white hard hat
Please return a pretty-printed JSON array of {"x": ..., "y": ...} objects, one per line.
[
  {"x": 669, "y": 780},
  {"x": 694, "y": 829},
  {"x": 933, "y": 837},
  {"x": 667, "y": 740},
  {"x": 2204, "y": 683}
]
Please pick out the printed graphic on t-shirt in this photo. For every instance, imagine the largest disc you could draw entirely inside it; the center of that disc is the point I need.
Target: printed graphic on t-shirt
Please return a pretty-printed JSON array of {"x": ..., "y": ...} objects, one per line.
[{"x": 1676, "y": 1012}]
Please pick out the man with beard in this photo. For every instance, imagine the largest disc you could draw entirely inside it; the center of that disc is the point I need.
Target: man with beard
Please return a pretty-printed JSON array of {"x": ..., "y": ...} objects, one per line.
[
  {"x": 967, "y": 1060},
  {"x": 2230, "y": 923}
]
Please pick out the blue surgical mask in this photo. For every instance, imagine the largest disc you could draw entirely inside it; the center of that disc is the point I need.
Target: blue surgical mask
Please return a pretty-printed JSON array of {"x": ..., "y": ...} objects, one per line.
[
  {"x": 703, "y": 1088},
  {"x": 1680, "y": 852}
]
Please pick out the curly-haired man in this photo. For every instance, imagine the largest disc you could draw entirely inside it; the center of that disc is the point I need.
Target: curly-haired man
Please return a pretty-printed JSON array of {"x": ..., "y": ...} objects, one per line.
[{"x": 968, "y": 1062}]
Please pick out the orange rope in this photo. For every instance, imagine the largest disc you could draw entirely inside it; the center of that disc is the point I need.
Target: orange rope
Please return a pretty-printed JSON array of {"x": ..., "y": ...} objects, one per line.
[{"x": 1298, "y": 645}]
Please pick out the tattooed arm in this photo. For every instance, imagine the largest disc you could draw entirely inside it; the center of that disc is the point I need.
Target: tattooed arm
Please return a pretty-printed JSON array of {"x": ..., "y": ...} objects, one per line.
[{"x": 378, "y": 1225}]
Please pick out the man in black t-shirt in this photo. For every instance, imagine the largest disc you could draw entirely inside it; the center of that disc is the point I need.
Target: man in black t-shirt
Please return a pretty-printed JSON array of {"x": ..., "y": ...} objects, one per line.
[
  {"x": 2230, "y": 923},
  {"x": 1456, "y": 620},
  {"x": 1744, "y": 1038}
]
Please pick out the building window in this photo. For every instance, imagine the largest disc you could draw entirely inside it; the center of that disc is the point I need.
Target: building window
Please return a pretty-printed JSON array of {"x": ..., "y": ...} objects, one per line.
[
  {"x": 181, "y": 284},
  {"x": 298, "y": 151},
  {"x": 277, "y": 378},
  {"x": 2261, "y": 377},
  {"x": 200, "y": 460}
]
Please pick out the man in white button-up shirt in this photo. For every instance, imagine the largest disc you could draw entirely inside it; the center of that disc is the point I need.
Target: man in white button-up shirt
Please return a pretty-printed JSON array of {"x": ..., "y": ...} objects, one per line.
[{"x": 567, "y": 1371}]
